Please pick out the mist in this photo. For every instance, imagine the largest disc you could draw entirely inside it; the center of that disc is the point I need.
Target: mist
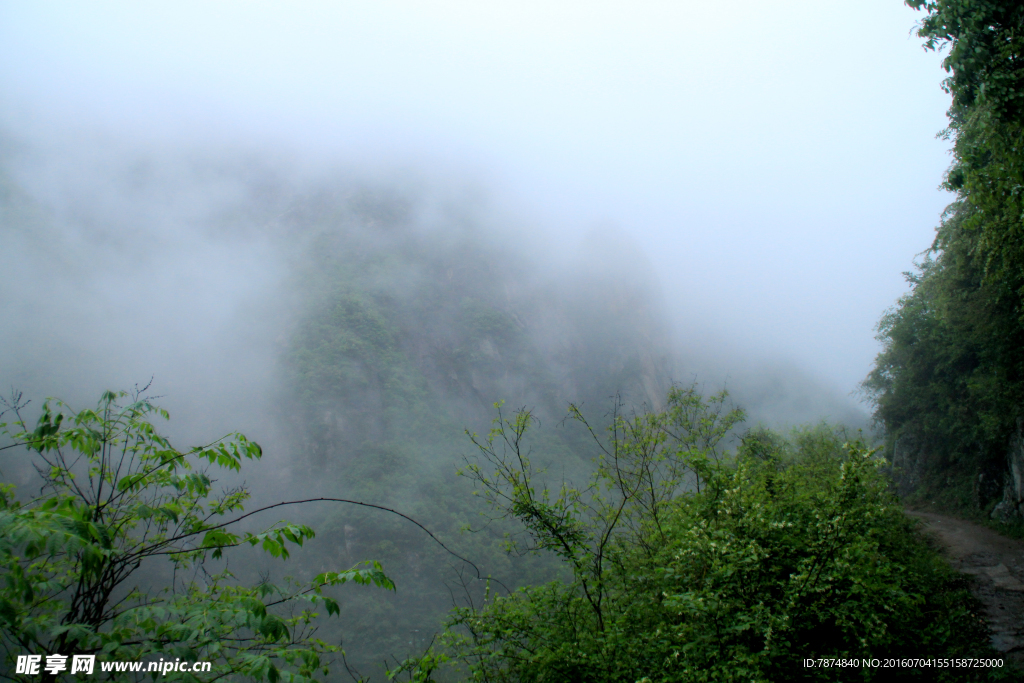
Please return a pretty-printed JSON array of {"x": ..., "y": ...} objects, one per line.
[
  {"x": 347, "y": 231},
  {"x": 777, "y": 161}
]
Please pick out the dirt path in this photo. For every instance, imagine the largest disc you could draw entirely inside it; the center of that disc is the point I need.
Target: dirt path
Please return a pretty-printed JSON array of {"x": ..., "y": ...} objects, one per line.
[{"x": 998, "y": 564}]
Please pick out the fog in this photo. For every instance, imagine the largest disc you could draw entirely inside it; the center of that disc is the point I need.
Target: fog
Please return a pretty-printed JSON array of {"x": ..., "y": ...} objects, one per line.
[
  {"x": 776, "y": 163},
  {"x": 666, "y": 192}
]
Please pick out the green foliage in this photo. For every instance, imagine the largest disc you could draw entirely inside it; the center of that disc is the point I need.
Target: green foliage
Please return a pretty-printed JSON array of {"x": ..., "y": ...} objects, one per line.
[
  {"x": 690, "y": 564},
  {"x": 648, "y": 458},
  {"x": 117, "y": 498},
  {"x": 951, "y": 372},
  {"x": 407, "y": 334},
  {"x": 985, "y": 45},
  {"x": 947, "y": 371},
  {"x": 986, "y": 53}
]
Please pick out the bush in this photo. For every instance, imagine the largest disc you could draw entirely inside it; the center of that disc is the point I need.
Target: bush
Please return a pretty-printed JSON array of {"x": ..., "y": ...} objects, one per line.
[
  {"x": 813, "y": 558},
  {"x": 691, "y": 565},
  {"x": 118, "y": 498}
]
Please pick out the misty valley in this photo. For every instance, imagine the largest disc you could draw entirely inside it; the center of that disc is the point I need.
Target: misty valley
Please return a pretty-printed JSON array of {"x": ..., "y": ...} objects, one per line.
[
  {"x": 271, "y": 417},
  {"x": 607, "y": 521}
]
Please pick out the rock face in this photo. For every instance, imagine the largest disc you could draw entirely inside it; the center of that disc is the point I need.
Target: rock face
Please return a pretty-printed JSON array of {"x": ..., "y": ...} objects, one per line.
[
  {"x": 406, "y": 326},
  {"x": 908, "y": 463},
  {"x": 1011, "y": 507},
  {"x": 910, "y": 466}
]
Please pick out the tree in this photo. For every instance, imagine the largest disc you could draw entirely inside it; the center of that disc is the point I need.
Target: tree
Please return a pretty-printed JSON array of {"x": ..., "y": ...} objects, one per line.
[
  {"x": 688, "y": 563},
  {"x": 985, "y": 64},
  {"x": 951, "y": 371},
  {"x": 581, "y": 628},
  {"x": 118, "y": 501}
]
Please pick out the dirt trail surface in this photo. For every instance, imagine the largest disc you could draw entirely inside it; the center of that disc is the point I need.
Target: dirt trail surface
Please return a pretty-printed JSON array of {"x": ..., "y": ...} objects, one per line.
[{"x": 997, "y": 563}]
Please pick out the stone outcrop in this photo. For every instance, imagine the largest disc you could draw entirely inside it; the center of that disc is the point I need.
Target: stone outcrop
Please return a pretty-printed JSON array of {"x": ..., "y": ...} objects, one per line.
[
  {"x": 1011, "y": 507},
  {"x": 908, "y": 463}
]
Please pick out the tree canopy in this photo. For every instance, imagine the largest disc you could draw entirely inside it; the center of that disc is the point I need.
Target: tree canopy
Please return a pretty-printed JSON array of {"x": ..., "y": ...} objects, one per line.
[
  {"x": 116, "y": 556},
  {"x": 951, "y": 370}
]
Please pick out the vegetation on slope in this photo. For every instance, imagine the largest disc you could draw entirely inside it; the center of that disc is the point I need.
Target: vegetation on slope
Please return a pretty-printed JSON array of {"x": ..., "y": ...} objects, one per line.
[
  {"x": 948, "y": 382},
  {"x": 116, "y": 558},
  {"x": 690, "y": 564},
  {"x": 407, "y": 336},
  {"x": 676, "y": 560}
]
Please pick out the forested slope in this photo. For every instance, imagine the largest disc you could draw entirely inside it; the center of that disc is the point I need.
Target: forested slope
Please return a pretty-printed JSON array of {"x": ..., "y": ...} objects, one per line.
[
  {"x": 409, "y": 334},
  {"x": 949, "y": 381},
  {"x": 614, "y": 523},
  {"x": 393, "y": 315}
]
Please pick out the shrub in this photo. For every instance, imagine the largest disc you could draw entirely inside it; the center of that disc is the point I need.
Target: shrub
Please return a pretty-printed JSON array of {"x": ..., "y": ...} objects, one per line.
[
  {"x": 688, "y": 564},
  {"x": 117, "y": 497}
]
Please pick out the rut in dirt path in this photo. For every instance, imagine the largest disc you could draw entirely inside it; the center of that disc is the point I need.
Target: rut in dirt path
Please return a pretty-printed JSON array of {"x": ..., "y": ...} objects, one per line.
[{"x": 997, "y": 563}]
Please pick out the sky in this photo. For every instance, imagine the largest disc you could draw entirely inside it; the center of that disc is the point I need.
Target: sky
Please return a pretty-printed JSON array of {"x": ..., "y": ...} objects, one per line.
[{"x": 777, "y": 163}]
